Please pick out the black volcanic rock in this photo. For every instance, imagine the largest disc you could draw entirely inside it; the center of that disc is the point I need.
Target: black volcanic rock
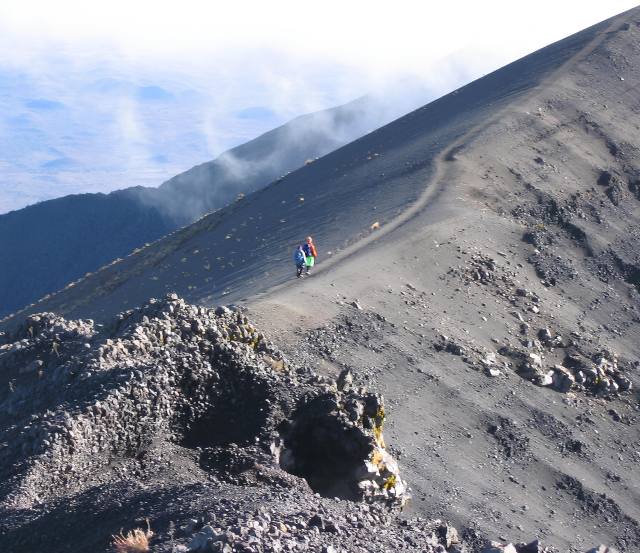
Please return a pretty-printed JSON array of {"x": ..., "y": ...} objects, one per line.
[
  {"x": 169, "y": 379},
  {"x": 173, "y": 404}
]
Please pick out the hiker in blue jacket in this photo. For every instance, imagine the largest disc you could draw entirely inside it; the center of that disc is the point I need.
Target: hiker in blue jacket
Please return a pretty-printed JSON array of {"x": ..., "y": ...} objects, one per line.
[{"x": 300, "y": 260}]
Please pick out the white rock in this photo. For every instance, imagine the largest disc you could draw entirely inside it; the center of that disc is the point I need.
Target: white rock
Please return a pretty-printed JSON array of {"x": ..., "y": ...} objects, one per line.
[
  {"x": 496, "y": 547},
  {"x": 547, "y": 379},
  {"x": 489, "y": 359},
  {"x": 535, "y": 360},
  {"x": 602, "y": 549}
]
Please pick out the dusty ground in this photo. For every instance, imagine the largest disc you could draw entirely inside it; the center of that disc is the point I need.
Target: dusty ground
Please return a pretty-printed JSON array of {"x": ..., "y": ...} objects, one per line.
[
  {"x": 563, "y": 466},
  {"x": 510, "y": 217}
]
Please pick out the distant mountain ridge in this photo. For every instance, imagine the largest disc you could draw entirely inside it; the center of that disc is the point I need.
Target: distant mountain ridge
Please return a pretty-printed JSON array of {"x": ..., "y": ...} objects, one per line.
[{"x": 47, "y": 245}]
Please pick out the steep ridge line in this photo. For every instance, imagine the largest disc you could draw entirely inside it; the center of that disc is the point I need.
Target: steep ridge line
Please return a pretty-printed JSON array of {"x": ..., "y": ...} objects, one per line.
[
  {"x": 171, "y": 242},
  {"x": 45, "y": 246},
  {"x": 443, "y": 160},
  {"x": 114, "y": 277}
]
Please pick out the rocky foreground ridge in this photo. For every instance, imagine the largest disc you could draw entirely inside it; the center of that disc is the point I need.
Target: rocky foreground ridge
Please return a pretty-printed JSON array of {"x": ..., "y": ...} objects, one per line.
[{"x": 189, "y": 417}]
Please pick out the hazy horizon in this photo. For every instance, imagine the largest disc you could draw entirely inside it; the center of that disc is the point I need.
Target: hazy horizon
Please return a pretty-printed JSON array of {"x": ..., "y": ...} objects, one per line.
[{"x": 93, "y": 101}]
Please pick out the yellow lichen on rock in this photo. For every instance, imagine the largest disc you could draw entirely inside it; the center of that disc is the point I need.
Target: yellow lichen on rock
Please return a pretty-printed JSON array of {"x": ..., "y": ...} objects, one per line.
[
  {"x": 378, "y": 423},
  {"x": 390, "y": 482}
]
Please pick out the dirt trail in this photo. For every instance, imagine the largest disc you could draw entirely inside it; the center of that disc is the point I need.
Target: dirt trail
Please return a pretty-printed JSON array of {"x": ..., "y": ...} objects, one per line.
[
  {"x": 565, "y": 465},
  {"x": 442, "y": 162}
]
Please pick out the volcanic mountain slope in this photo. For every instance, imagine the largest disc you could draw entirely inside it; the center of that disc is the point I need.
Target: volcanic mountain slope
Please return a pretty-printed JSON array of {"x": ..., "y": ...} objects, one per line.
[
  {"x": 516, "y": 279},
  {"x": 47, "y": 245},
  {"x": 388, "y": 177},
  {"x": 496, "y": 306}
]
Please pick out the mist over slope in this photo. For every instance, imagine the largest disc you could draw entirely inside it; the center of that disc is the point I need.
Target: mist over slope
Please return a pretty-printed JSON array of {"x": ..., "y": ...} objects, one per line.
[
  {"x": 246, "y": 247},
  {"x": 47, "y": 245},
  {"x": 496, "y": 303}
]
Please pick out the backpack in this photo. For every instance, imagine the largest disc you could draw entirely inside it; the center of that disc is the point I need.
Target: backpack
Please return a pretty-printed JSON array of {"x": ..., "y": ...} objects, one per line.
[
  {"x": 298, "y": 257},
  {"x": 310, "y": 250}
]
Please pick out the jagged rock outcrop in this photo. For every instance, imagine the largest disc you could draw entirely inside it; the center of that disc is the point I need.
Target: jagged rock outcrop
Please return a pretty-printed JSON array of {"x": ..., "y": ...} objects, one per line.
[
  {"x": 327, "y": 440},
  {"x": 203, "y": 379}
]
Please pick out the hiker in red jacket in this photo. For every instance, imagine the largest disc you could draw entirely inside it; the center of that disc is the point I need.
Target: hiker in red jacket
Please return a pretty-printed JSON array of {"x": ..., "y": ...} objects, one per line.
[{"x": 311, "y": 253}]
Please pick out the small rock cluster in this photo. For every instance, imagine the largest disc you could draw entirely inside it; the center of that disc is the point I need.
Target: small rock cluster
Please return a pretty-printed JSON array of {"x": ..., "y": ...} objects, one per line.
[
  {"x": 575, "y": 364},
  {"x": 601, "y": 374},
  {"x": 326, "y": 531},
  {"x": 483, "y": 269},
  {"x": 499, "y": 547},
  {"x": 359, "y": 326},
  {"x": 613, "y": 186}
]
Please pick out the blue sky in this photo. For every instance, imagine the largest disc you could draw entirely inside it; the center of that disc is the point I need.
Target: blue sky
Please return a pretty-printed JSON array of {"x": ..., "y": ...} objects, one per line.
[{"x": 100, "y": 96}]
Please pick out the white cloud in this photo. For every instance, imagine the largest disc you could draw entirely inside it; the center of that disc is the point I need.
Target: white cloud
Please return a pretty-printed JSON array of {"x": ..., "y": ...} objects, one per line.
[
  {"x": 377, "y": 35},
  {"x": 219, "y": 58},
  {"x": 274, "y": 45},
  {"x": 301, "y": 55}
]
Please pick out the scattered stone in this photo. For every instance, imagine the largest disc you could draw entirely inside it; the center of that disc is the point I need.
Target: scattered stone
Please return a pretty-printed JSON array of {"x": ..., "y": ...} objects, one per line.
[
  {"x": 345, "y": 380},
  {"x": 449, "y": 345},
  {"x": 562, "y": 378},
  {"x": 203, "y": 539},
  {"x": 615, "y": 415},
  {"x": 545, "y": 336},
  {"x": 605, "y": 178},
  {"x": 489, "y": 359},
  {"x": 497, "y": 547},
  {"x": 448, "y": 535}
]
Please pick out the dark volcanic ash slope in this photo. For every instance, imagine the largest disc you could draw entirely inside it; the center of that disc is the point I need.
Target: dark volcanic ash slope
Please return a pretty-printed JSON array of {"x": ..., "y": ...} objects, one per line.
[
  {"x": 511, "y": 308},
  {"x": 45, "y": 246},
  {"x": 497, "y": 306},
  {"x": 246, "y": 247}
]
